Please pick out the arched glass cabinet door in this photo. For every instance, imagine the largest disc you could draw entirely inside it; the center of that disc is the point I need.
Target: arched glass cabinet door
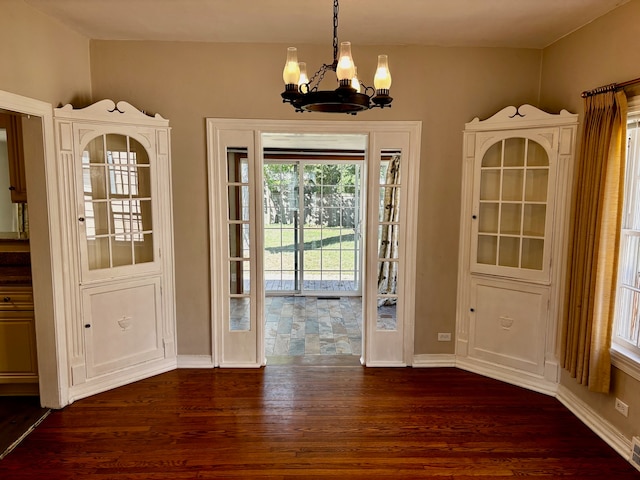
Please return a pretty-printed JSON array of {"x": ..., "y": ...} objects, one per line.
[
  {"x": 118, "y": 221},
  {"x": 513, "y": 208}
]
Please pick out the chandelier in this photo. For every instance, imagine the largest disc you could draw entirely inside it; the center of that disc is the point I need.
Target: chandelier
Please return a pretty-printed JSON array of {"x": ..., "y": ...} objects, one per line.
[{"x": 303, "y": 93}]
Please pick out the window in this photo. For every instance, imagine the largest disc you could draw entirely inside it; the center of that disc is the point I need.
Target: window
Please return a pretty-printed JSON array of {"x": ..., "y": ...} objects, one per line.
[{"x": 626, "y": 328}]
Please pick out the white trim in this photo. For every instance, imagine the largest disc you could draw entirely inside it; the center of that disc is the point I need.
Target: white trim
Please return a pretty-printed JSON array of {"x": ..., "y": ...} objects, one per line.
[
  {"x": 434, "y": 360},
  {"x": 105, "y": 108},
  {"x": 386, "y": 364},
  {"x": 605, "y": 430},
  {"x": 508, "y": 375},
  {"x": 528, "y": 116},
  {"x": 624, "y": 354},
  {"x": 195, "y": 361},
  {"x": 625, "y": 360},
  {"x": 120, "y": 378}
]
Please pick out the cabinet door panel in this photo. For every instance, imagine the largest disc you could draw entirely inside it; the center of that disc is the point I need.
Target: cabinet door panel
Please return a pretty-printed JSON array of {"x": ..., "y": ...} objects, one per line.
[
  {"x": 508, "y": 324},
  {"x": 122, "y": 325},
  {"x": 18, "y": 349}
]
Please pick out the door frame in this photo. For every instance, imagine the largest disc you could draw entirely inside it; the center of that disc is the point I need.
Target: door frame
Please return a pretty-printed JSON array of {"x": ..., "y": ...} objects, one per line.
[
  {"x": 378, "y": 133},
  {"x": 47, "y": 247}
]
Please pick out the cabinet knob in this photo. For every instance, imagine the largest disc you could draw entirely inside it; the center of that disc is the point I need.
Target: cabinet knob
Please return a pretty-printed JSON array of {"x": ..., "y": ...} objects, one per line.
[
  {"x": 474, "y": 216},
  {"x": 87, "y": 325},
  {"x": 12, "y": 188},
  {"x": 472, "y": 309},
  {"x": 6, "y": 299},
  {"x": 81, "y": 219}
]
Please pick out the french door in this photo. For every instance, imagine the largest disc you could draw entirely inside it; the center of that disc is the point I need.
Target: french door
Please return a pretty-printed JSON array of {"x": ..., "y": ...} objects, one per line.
[
  {"x": 312, "y": 227},
  {"x": 238, "y": 206}
]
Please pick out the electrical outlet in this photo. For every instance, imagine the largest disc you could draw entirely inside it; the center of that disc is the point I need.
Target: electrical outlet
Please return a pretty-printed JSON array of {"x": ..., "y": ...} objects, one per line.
[
  {"x": 622, "y": 407},
  {"x": 444, "y": 337}
]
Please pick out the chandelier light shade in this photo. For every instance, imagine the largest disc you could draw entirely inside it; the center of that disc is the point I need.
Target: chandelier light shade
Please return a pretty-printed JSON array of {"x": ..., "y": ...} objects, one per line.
[{"x": 304, "y": 93}]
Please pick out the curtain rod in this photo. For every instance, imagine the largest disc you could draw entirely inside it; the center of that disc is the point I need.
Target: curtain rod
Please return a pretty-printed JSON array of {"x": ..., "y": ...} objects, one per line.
[{"x": 610, "y": 87}]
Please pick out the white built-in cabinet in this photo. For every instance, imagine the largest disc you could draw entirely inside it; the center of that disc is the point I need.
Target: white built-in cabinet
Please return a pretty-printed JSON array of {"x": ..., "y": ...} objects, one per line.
[
  {"x": 116, "y": 186},
  {"x": 515, "y": 213}
]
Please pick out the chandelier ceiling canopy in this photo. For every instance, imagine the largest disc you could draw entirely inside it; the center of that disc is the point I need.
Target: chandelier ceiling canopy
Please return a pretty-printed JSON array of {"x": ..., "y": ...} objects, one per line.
[{"x": 304, "y": 93}]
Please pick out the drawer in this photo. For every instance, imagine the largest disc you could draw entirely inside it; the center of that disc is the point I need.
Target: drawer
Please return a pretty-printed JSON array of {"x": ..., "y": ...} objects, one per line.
[{"x": 16, "y": 298}]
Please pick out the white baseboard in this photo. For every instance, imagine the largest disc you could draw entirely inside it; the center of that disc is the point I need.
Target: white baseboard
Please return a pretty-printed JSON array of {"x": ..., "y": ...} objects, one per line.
[
  {"x": 508, "y": 375},
  {"x": 435, "y": 360},
  {"x": 118, "y": 379},
  {"x": 605, "y": 430},
  {"x": 386, "y": 364},
  {"x": 195, "y": 361}
]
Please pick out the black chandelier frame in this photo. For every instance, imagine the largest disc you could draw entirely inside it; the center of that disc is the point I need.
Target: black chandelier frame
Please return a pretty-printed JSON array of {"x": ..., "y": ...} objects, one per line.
[{"x": 345, "y": 99}]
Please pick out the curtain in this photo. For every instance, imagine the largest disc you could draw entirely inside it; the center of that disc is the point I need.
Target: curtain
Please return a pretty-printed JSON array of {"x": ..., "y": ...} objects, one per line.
[
  {"x": 593, "y": 249},
  {"x": 388, "y": 248}
]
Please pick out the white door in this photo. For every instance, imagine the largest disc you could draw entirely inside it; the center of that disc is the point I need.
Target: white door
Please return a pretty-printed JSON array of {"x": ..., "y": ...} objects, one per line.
[
  {"x": 391, "y": 249},
  {"x": 236, "y": 205},
  {"x": 236, "y": 281}
]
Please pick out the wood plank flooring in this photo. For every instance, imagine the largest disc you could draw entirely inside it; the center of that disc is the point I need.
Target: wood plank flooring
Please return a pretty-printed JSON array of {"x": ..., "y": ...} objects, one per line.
[
  {"x": 290, "y": 422},
  {"x": 18, "y": 415}
]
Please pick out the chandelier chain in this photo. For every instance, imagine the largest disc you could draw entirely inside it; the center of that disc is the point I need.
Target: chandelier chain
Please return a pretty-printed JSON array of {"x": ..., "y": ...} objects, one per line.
[{"x": 335, "y": 31}]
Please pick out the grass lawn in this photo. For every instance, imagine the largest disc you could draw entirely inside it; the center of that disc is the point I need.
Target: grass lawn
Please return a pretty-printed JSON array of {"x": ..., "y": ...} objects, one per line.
[{"x": 325, "y": 249}]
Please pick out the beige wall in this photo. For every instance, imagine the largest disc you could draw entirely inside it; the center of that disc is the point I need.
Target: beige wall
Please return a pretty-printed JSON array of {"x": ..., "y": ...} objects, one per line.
[
  {"x": 41, "y": 58},
  {"x": 602, "y": 52},
  {"x": 442, "y": 87}
]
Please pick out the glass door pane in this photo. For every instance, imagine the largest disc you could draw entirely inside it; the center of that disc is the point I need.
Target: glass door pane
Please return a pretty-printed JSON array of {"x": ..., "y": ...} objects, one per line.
[
  {"x": 281, "y": 227},
  {"x": 315, "y": 247},
  {"x": 512, "y": 203},
  {"x": 117, "y": 202},
  {"x": 238, "y": 222},
  {"x": 388, "y": 240},
  {"x": 331, "y": 227}
]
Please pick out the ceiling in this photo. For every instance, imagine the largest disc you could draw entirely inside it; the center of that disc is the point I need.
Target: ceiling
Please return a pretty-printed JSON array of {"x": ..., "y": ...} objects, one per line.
[{"x": 484, "y": 23}]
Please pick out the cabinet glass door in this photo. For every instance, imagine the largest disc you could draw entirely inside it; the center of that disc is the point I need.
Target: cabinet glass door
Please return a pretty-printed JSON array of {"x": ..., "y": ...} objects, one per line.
[
  {"x": 512, "y": 207},
  {"x": 117, "y": 202}
]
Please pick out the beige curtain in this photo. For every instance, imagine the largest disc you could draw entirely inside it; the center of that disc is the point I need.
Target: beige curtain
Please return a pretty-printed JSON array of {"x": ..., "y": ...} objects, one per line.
[{"x": 593, "y": 249}]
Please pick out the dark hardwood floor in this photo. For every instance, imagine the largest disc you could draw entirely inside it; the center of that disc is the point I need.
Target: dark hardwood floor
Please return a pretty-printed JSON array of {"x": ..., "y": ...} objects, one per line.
[
  {"x": 292, "y": 422},
  {"x": 18, "y": 415}
]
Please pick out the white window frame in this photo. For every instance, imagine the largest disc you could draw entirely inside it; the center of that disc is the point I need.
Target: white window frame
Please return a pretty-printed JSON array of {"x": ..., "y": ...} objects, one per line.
[{"x": 624, "y": 355}]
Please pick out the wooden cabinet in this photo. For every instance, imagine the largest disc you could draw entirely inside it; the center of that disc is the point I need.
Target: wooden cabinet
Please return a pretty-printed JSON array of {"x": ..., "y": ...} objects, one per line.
[
  {"x": 18, "y": 360},
  {"x": 15, "y": 151},
  {"x": 515, "y": 214}
]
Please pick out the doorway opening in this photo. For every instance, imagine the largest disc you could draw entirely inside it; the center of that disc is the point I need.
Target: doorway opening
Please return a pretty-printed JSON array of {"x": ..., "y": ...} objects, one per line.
[
  {"x": 389, "y": 185},
  {"x": 313, "y": 210}
]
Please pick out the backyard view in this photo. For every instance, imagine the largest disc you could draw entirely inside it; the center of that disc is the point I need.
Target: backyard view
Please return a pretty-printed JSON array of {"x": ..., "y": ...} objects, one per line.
[{"x": 321, "y": 250}]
